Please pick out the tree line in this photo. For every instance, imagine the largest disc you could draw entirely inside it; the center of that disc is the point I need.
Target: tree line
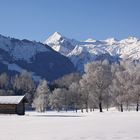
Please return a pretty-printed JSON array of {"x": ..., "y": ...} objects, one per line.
[{"x": 103, "y": 85}]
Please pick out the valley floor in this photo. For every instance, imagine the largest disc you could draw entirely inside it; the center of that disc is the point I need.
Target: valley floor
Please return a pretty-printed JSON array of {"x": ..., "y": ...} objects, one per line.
[{"x": 112, "y": 125}]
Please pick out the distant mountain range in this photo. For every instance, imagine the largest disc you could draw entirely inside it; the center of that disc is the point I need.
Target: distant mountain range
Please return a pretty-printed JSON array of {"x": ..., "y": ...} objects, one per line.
[
  {"x": 59, "y": 55},
  {"x": 82, "y": 52},
  {"x": 37, "y": 58}
]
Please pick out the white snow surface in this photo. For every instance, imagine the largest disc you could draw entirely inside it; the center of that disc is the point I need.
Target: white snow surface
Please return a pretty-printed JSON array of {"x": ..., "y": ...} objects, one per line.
[
  {"x": 112, "y": 125},
  {"x": 10, "y": 99}
]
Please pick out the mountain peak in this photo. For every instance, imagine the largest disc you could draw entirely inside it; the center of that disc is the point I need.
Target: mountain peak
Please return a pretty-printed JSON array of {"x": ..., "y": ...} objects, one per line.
[
  {"x": 111, "y": 41},
  {"x": 133, "y": 39},
  {"x": 56, "y": 35},
  {"x": 90, "y": 40},
  {"x": 60, "y": 43},
  {"x": 130, "y": 40},
  {"x": 54, "y": 38}
]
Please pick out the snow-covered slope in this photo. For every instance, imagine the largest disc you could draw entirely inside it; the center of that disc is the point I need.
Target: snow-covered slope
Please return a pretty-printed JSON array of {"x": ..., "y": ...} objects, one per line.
[
  {"x": 83, "y": 52},
  {"x": 21, "y": 49},
  {"x": 39, "y": 59}
]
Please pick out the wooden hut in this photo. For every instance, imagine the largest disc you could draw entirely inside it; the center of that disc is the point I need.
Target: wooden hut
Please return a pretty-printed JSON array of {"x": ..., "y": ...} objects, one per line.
[{"x": 12, "y": 105}]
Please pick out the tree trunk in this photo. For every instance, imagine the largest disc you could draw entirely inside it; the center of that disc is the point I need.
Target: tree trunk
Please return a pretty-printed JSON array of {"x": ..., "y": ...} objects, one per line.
[
  {"x": 107, "y": 107},
  {"x": 121, "y": 107},
  {"x": 76, "y": 110},
  {"x": 127, "y": 104},
  {"x": 137, "y": 108},
  {"x": 87, "y": 107},
  {"x": 82, "y": 110},
  {"x": 100, "y": 106}
]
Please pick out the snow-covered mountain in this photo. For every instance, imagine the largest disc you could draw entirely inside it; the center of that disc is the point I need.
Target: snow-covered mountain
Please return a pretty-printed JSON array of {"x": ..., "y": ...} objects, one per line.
[
  {"x": 61, "y": 44},
  {"x": 82, "y": 52},
  {"x": 39, "y": 59}
]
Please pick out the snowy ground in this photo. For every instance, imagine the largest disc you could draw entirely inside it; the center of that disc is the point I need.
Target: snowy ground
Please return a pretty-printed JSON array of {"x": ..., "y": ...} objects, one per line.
[{"x": 71, "y": 126}]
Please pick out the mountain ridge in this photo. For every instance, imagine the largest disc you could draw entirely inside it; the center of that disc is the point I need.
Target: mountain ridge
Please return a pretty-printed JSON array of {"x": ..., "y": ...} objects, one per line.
[
  {"x": 35, "y": 57},
  {"x": 89, "y": 50}
]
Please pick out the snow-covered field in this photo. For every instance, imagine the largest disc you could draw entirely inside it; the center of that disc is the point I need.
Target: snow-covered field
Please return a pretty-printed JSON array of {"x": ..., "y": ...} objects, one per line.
[{"x": 112, "y": 125}]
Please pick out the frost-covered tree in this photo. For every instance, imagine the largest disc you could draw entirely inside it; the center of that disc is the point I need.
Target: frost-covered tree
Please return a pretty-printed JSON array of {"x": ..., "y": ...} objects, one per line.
[
  {"x": 66, "y": 99},
  {"x": 92, "y": 103},
  {"x": 135, "y": 95},
  {"x": 41, "y": 98},
  {"x": 76, "y": 96},
  {"x": 134, "y": 71},
  {"x": 24, "y": 84},
  {"x": 2, "y": 92},
  {"x": 4, "y": 81},
  {"x": 57, "y": 99},
  {"x": 60, "y": 99},
  {"x": 64, "y": 83},
  {"x": 85, "y": 88},
  {"x": 96, "y": 80},
  {"x": 67, "y": 80},
  {"x": 122, "y": 84},
  {"x": 108, "y": 98}
]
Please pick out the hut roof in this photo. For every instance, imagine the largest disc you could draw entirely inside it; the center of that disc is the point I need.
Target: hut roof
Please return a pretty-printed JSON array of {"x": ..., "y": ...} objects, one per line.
[{"x": 11, "y": 99}]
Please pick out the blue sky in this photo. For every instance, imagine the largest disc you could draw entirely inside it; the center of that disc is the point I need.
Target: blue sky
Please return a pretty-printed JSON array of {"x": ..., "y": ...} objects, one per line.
[{"x": 79, "y": 19}]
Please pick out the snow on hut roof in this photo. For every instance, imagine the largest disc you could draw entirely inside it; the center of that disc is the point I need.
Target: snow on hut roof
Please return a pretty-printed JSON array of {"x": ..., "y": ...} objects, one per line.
[{"x": 11, "y": 99}]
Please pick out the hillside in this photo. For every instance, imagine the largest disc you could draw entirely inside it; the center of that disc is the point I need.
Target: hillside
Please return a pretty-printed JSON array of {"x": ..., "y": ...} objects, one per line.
[{"x": 39, "y": 59}]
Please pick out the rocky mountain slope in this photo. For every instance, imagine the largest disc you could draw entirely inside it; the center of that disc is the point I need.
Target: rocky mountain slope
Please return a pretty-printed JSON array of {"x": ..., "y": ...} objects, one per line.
[
  {"x": 39, "y": 59},
  {"x": 82, "y": 52}
]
